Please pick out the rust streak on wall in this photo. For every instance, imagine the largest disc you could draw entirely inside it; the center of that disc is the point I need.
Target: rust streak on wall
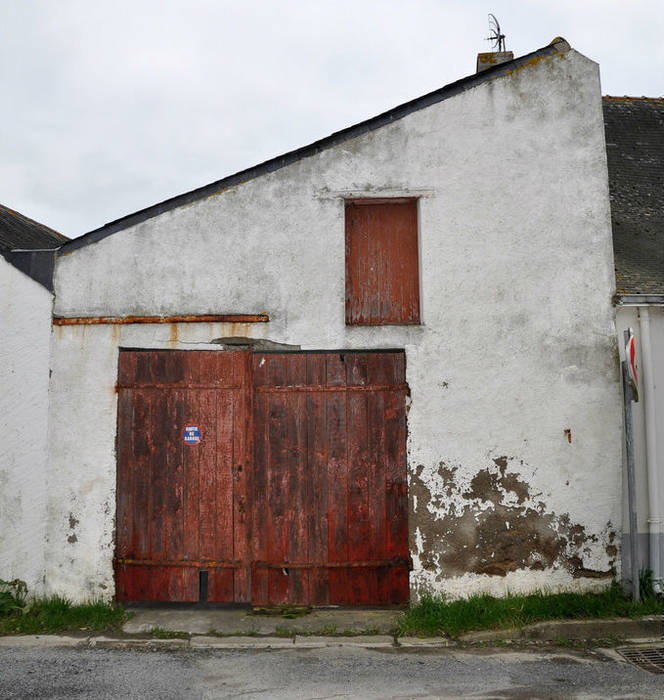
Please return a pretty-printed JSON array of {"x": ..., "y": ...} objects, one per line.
[{"x": 121, "y": 320}]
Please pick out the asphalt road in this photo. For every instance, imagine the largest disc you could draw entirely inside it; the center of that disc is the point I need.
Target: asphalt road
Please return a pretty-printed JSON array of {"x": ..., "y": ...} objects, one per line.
[{"x": 318, "y": 673}]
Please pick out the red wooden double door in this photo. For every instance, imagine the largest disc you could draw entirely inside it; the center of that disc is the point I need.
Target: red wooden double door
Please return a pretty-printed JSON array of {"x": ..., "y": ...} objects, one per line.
[{"x": 267, "y": 478}]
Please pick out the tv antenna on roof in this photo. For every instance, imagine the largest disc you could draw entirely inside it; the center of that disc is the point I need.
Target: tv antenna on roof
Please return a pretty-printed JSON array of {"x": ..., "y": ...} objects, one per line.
[{"x": 496, "y": 37}]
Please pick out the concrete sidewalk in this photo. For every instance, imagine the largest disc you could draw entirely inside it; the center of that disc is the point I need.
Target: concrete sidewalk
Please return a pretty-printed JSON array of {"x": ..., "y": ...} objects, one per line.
[
  {"x": 244, "y": 622},
  {"x": 369, "y": 629}
]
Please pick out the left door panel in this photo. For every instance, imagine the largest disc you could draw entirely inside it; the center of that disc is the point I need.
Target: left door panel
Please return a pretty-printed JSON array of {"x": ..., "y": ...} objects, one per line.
[{"x": 181, "y": 478}]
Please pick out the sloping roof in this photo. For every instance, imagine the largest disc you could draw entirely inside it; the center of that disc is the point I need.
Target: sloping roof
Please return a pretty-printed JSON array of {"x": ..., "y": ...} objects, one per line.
[
  {"x": 634, "y": 128},
  {"x": 17, "y": 232},
  {"x": 29, "y": 246},
  {"x": 558, "y": 45}
]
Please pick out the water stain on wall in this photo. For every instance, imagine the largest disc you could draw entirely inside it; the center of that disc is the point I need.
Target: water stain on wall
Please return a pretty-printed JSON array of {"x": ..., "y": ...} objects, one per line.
[{"x": 494, "y": 526}]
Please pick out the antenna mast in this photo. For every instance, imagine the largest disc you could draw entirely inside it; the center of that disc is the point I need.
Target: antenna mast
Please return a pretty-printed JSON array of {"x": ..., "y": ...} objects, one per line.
[{"x": 496, "y": 36}]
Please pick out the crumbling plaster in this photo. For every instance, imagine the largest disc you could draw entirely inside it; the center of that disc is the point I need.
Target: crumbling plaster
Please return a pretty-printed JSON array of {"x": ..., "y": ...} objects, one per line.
[{"x": 516, "y": 346}]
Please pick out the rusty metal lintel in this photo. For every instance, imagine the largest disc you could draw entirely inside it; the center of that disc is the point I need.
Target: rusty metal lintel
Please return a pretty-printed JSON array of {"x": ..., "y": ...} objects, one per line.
[
  {"x": 327, "y": 389},
  {"x": 178, "y": 562},
  {"x": 397, "y": 561},
  {"x": 122, "y": 320}
]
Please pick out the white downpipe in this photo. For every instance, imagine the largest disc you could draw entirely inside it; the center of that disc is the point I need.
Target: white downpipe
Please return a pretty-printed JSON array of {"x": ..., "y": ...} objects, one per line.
[{"x": 654, "y": 511}]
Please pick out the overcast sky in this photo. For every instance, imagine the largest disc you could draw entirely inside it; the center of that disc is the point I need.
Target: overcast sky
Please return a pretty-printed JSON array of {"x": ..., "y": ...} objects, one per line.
[{"x": 111, "y": 106}]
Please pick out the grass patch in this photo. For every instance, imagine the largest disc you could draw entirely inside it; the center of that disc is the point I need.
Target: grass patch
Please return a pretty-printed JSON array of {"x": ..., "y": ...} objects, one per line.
[
  {"x": 434, "y": 616},
  {"x": 12, "y": 596},
  {"x": 246, "y": 633},
  {"x": 161, "y": 633},
  {"x": 57, "y": 614}
]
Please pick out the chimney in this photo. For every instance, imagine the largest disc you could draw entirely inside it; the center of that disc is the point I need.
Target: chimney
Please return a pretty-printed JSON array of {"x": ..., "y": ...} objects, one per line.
[{"x": 493, "y": 58}]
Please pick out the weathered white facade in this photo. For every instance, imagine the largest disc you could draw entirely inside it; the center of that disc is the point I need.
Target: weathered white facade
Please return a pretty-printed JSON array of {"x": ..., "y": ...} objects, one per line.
[
  {"x": 25, "y": 319},
  {"x": 514, "y": 420},
  {"x": 514, "y": 440}
]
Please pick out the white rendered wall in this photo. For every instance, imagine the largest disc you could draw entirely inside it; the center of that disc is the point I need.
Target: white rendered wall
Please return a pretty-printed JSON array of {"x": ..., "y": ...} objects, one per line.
[
  {"x": 516, "y": 346},
  {"x": 25, "y": 325}
]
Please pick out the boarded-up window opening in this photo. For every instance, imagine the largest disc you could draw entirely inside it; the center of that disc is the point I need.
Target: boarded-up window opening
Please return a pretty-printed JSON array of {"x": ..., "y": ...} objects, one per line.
[{"x": 382, "y": 262}]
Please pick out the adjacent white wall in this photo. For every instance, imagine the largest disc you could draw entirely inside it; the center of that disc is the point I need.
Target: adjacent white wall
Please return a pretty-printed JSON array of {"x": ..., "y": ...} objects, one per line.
[
  {"x": 628, "y": 317},
  {"x": 25, "y": 326},
  {"x": 516, "y": 346}
]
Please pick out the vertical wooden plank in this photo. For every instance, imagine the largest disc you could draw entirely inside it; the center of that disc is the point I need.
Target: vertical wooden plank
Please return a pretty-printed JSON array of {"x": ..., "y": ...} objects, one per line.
[
  {"x": 191, "y": 458},
  {"x": 359, "y": 546},
  {"x": 170, "y": 530},
  {"x": 126, "y": 367},
  {"x": 361, "y": 581},
  {"x": 207, "y": 499},
  {"x": 177, "y": 506},
  {"x": 125, "y": 474},
  {"x": 190, "y": 474},
  {"x": 157, "y": 429},
  {"x": 357, "y": 368},
  {"x": 220, "y": 580},
  {"x": 299, "y": 486},
  {"x": 277, "y": 483},
  {"x": 376, "y": 478},
  {"x": 145, "y": 412},
  {"x": 259, "y": 500},
  {"x": 156, "y": 579},
  {"x": 143, "y": 363},
  {"x": 317, "y": 458},
  {"x": 242, "y": 428},
  {"x": 259, "y": 506},
  {"x": 380, "y": 372},
  {"x": 337, "y": 479},
  {"x": 396, "y": 503}
]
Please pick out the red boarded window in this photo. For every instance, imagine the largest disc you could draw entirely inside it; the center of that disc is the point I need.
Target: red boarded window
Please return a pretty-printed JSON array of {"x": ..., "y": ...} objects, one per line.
[{"x": 382, "y": 270}]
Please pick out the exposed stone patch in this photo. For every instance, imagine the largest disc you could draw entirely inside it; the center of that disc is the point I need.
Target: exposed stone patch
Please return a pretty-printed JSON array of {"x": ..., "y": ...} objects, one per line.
[
  {"x": 73, "y": 522},
  {"x": 494, "y": 526}
]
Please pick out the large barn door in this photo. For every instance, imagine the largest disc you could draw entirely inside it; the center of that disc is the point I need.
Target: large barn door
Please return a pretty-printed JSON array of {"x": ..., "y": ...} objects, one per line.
[
  {"x": 181, "y": 494},
  {"x": 330, "y": 507}
]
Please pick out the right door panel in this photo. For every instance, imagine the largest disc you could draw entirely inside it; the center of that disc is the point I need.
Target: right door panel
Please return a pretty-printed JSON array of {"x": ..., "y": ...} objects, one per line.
[{"x": 329, "y": 512}]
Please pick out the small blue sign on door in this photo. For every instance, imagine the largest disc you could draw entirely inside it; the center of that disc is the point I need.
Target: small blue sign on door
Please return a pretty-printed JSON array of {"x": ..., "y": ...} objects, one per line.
[{"x": 191, "y": 434}]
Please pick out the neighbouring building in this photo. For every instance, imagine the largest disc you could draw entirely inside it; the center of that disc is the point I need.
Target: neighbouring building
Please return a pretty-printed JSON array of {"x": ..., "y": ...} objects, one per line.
[
  {"x": 382, "y": 364},
  {"x": 635, "y": 149},
  {"x": 27, "y": 250}
]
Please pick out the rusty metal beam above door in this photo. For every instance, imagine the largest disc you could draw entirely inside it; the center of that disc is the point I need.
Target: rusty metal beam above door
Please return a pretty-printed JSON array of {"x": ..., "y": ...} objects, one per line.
[{"x": 121, "y": 320}]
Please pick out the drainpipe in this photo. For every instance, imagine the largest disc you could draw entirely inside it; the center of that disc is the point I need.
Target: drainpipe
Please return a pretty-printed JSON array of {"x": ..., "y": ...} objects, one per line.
[{"x": 654, "y": 512}]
